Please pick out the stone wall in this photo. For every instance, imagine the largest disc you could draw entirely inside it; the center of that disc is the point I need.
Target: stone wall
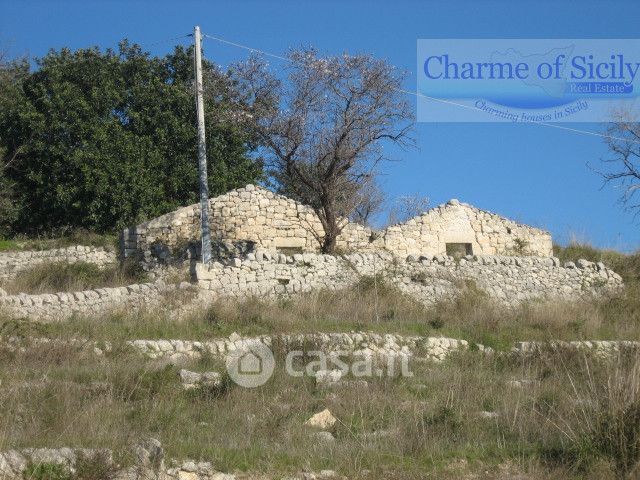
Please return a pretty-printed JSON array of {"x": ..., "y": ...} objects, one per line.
[
  {"x": 352, "y": 343},
  {"x": 61, "y": 306},
  {"x": 509, "y": 280},
  {"x": 455, "y": 222},
  {"x": 252, "y": 217},
  {"x": 13, "y": 262}
]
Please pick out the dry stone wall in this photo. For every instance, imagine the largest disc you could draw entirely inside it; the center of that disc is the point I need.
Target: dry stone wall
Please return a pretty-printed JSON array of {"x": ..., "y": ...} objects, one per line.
[
  {"x": 239, "y": 220},
  {"x": 352, "y": 343},
  {"x": 455, "y": 222},
  {"x": 254, "y": 218},
  {"x": 63, "y": 305},
  {"x": 11, "y": 263},
  {"x": 508, "y": 280}
]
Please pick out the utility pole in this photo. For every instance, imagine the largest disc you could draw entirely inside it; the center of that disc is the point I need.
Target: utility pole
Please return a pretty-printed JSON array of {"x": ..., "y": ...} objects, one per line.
[{"x": 202, "y": 151}]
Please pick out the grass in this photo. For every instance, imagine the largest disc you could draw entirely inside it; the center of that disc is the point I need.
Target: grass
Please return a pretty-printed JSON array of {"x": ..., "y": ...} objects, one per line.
[
  {"x": 77, "y": 237},
  {"x": 471, "y": 316},
  {"x": 577, "y": 417},
  {"x": 628, "y": 266},
  {"x": 429, "y": 424},
  {"x": 52, "y": 277}
]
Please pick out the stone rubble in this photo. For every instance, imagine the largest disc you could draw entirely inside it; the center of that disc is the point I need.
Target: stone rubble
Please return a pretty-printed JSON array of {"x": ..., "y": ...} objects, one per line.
[
  {"x": 150, "y": 464},
  {"x": 192, "y": 380}
]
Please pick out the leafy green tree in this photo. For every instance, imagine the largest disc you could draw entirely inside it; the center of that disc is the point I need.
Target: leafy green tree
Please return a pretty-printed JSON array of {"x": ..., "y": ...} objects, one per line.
[
  {"x": 11, "y": 74},
  {"x": 108, "y": 139}
]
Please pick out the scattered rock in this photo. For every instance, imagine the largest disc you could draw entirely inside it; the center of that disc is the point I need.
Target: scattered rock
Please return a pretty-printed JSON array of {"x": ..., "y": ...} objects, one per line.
[
  {"x": 323, "y": 420},
  {"x": 150, "y": 456},
  {"x": 192, "y": 380},
  {"x": 328, "y": 377},
  {"x": 485, "y": 414},
  {"x": 522, "y": 383},
  {"x": 324, "y": 437}
]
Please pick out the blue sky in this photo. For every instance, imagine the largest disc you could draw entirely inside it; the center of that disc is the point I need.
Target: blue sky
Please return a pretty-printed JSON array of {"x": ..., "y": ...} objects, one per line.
[{"x": 531, "y": 173}]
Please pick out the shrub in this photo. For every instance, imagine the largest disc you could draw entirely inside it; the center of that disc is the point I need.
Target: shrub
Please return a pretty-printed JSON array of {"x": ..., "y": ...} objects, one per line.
[{"x": 95, "y": 466}]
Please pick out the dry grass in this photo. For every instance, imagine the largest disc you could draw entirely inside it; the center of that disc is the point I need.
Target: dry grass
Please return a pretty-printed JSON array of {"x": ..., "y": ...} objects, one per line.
[
  {"x": 572, "y": 417},
  {"x": 76, "y": 237},
  {"x": 55, "y": 277},
  {"x": 471, "y": 316},
  {"x": 402, "y": 428}
]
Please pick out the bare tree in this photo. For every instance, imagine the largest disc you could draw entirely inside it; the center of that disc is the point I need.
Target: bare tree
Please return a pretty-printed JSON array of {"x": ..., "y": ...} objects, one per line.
[
  {"x": 325, "y": 140},
  {"x": 407, "y": 207},
  {"x": 369, "y": 201},
  {"x": 623, "y": 166}
]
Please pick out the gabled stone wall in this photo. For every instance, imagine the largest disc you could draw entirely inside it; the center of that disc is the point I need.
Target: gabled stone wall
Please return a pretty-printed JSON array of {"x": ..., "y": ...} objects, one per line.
[
  {"x": 253, "y": 217},
  {"x": 455, "y": 222}
]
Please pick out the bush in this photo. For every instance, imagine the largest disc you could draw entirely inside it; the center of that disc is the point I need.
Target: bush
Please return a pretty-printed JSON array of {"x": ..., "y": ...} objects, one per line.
[
  {"x": 96, "y": 466},
  {"x": 122, "y": 148}
]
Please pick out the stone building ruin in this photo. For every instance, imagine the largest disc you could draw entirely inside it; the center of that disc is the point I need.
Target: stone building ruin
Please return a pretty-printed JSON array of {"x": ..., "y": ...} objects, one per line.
[{"x": 252, "y": 217}]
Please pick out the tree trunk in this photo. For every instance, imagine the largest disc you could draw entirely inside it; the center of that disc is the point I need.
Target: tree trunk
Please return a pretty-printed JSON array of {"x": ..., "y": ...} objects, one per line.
[
  {"x": 329, "y": 242},
  {"x": 331, "y": 231}
]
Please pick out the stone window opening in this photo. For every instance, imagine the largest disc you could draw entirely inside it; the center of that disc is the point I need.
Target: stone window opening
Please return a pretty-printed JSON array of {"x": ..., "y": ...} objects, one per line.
[
  {"x": 459, "y": 250},
  {"x": 289, "y": 250}
]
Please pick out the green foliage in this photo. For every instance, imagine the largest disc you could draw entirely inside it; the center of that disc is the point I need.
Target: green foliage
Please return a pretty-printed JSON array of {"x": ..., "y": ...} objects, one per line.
[
  {"x": 108, "y": 139},
  {"x": 46, "y": 471},
  {"x": 11, "y": 74}
]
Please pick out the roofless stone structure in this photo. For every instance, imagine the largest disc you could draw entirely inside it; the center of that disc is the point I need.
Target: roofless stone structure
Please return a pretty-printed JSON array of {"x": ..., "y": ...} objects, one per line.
[{"x": 253, "y": 217}]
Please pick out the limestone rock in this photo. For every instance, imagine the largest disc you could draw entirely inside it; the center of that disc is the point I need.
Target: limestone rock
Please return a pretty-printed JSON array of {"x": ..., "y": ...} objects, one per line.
[
  {"x": 324, "y": 437},
  {"x": 328, "y": 377},
  {"x": 150, "y": 457},
  {"x": 323, "y": 420}
]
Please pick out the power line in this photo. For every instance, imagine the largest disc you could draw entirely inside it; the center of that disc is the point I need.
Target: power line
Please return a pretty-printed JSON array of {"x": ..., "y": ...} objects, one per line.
[
  {"x": 254, "y": 50},
  {"x": 435, "y": 99}
]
